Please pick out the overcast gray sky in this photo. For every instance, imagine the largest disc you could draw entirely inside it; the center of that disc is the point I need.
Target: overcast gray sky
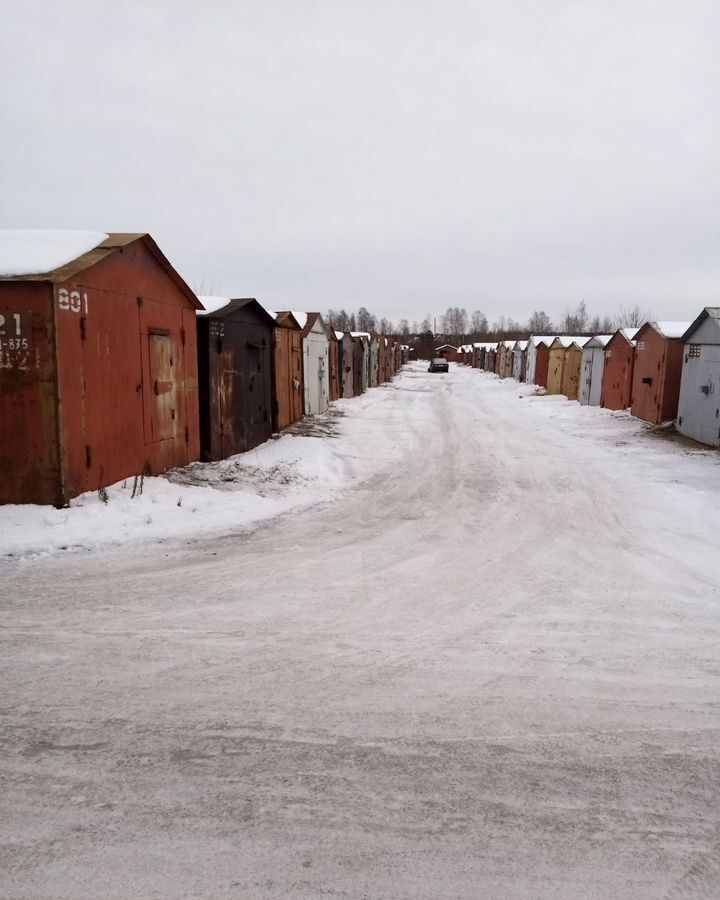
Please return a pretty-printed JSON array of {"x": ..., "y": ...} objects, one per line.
[{"x": 406, "y": 156}]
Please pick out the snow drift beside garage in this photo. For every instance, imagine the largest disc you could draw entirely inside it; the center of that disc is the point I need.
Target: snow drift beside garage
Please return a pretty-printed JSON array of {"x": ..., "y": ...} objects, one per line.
[{"x": 295, "y": 472}]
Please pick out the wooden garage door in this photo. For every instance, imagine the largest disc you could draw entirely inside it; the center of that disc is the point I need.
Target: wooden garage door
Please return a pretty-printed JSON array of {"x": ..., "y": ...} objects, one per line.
[{"x": 162, "y": 397}]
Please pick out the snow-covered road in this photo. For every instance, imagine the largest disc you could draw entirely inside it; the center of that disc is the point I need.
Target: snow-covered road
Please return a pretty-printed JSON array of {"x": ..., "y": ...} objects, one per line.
[{"x": 489, "y": 669}]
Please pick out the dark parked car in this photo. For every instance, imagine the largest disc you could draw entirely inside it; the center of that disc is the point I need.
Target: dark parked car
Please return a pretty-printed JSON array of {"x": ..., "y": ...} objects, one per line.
[{"x": 438, "y": 365}]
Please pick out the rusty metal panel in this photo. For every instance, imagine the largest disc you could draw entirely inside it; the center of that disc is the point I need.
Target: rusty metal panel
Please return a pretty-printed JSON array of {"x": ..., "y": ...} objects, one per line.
[
  {"x": 656, "y": 376},
  {"x": 358, "y": 358},
  {"x": 333, "y": 364},
  {"x": 190, "y": 386},
  {"x": 618, "y": 373},
  {"x": 348, "y": 366},
  {"x": 542, "y": 362},
  {"x": 282, "y": 378},
  {"x": 382, "y": 360},
  {"x": 29, "y": 458},
  {"x": 298, "y": 380},
  {"x": 287, "y": 372},
  {"x": 235, "y": 355}
]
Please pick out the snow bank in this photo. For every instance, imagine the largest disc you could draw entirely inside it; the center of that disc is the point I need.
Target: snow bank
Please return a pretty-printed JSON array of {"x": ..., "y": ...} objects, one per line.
[
  {"x": 35, "y": 252},
  {"x": 287, "y": 475}
]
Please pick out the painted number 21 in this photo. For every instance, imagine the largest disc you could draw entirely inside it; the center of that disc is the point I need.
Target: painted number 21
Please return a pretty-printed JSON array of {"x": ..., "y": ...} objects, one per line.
[
  {"x": 17, "y": 320},
  {"x": 73, "y": 301}
]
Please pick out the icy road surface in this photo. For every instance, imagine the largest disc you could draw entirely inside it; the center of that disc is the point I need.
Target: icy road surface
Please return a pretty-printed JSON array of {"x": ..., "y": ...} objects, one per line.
[{"x": 490, "y": 669}]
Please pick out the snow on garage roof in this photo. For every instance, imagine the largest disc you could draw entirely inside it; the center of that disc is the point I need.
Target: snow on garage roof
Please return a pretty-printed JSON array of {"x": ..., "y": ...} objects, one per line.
[
  {"x": 671, "y": 329},
  {"x": 567, "y": 340},
  {"x": 599, "y": 340},
  {"x": 300, "y": 317},
  {"x": 36, "y": 251},
  {"x": 339, "y": 335},
  {"x": 546, "y": 339},
  {"x": 629, "y": 333},
  {"x": 212, "y": 304},
  {"x": 709, "y": 312}
]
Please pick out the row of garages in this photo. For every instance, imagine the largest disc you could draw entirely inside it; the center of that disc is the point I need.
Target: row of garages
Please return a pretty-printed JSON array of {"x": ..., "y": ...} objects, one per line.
[
  {"x": 111, "y": 366},
  {"x": 661, "y": 372}
]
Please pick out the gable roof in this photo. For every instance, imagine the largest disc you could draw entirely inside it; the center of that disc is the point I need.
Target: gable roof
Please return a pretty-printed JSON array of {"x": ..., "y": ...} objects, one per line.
[
  {"x": 287, "y": 320},
  {"x": 668, "y": 330},
  {"x": 598, "y": 340},
  {"x": 231, "y": 306},
  {"x": 710, "y": 312},
  {"x": 546, "y": 339},
  {"x": 102, "y": 245},
  {"x": 566, "y": 341},
  {"x": 305, "y": 320},
  {"x": 211, "y": 304},
  {"x": 310, "y": 320}
]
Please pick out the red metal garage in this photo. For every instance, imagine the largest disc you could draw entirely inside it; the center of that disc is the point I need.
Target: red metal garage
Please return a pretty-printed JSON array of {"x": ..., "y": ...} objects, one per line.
[
  {"x": 618, "y": 371},
  {"x": 542, "y": 361},
  {"x": 658, "y": 367},
  {"x": 102, "y": 382}
]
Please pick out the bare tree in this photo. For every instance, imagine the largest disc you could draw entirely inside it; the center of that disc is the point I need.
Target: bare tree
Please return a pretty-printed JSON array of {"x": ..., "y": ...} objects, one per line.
[
  {"x": 631, "y": 317},
  {"x": 575, "y": 321},
  {"x": 206, "y": 286},
  {"x": 404, "y": 327},
  {"x": 454, "y": 322},
  {"x": 581, "y": 316},
  {"x": 540, "y": 323},
  {"x": 385, "y": 327},
  {"x": 499, "y": 325},
  {"x": 478, "y": 323},
  {"x": 338, "y": 319},
  {"x": 365, "y": 320}
]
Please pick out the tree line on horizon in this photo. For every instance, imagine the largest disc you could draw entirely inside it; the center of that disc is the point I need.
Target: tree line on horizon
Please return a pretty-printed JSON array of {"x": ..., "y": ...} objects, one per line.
[{"x": 458, "y": 326}]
